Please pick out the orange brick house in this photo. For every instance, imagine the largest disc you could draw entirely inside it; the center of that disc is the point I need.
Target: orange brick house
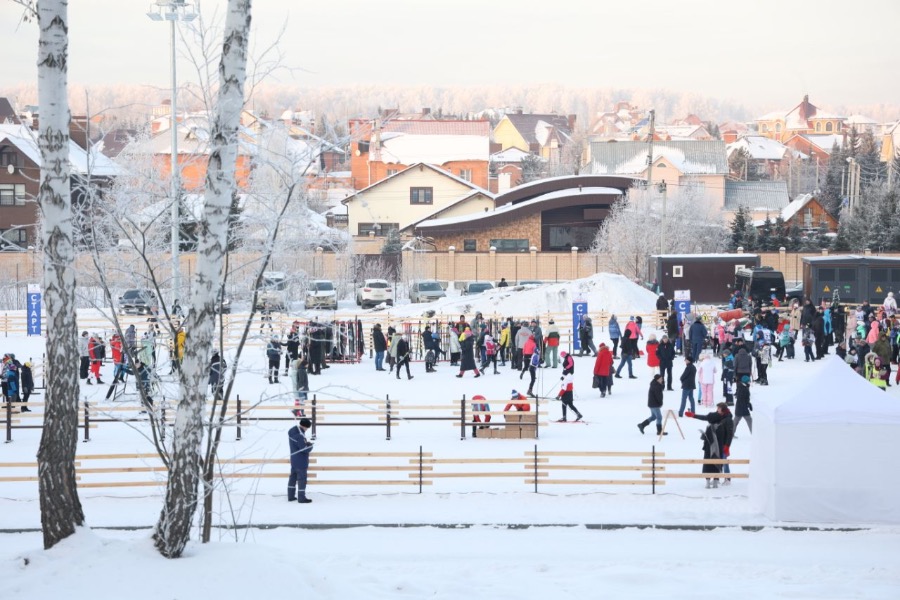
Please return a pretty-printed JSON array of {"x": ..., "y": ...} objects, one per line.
[{"x": 381, "y": 148}]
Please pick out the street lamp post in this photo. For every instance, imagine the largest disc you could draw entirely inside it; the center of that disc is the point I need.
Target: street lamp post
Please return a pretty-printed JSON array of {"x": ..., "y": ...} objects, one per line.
[{"x": 173, "y": 11}]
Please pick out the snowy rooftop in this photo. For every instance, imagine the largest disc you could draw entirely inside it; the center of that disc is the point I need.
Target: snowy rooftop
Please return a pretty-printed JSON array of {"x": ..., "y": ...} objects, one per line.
[
  {"x": 80, "y": 161},
  {"x": 510, "y": 155},
  {"x": 759, "y": 147},
  {"x": 434, "y": 149},
  {"x": 509, "y": 208},
  {"x": 795, "y": 205},
  {"x": 771, "y": 196},
  {"x": 630, "y": 158}
]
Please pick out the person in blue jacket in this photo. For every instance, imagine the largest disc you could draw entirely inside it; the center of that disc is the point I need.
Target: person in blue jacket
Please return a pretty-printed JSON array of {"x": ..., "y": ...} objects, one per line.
[
  {"x": 614, "y": 334},
  {"x": 300, "y": 449},
  {"x": 697, "y": 335}
]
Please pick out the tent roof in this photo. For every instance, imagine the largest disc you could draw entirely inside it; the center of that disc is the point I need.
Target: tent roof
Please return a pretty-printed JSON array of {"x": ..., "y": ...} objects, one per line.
[{"x": 834, "y": 394}]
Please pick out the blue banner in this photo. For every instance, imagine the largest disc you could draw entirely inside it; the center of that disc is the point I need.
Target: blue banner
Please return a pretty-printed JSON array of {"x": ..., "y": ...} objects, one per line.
[
  {"x": 579, "y": 312},
  {"x": 682, "y": 308},
  {"x": 34, "y": 310}
]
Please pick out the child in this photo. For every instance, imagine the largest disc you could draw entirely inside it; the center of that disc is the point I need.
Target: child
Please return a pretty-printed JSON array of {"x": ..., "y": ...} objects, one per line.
[
  {"x": 809, "y": 340},
  {"x": 429, "y": 362},
  {"x": 490, "y": 354},
  {"x": 728, "y": 377},
  {"x": 765, "y": 359},
  {"x": 566, "y": 394}
]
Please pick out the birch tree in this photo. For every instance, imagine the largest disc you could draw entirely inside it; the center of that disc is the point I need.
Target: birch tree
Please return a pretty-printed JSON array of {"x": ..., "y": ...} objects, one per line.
[
  {"x": 172, "y": 530},
  {"x": 636, "y": 229},
  {"x": 61, "y": 510}
]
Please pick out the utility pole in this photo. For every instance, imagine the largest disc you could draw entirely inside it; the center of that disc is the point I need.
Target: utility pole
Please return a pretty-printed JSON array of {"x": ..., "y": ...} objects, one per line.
[
  {"x": 650, "y": 148},
  {"x": 662, "y": 224}
]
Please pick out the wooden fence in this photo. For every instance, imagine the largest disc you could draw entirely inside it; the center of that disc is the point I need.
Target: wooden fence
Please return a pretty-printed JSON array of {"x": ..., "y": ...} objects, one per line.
[
  {"x": 536, "y": 469},
  {"x": 385, "y": 414}
]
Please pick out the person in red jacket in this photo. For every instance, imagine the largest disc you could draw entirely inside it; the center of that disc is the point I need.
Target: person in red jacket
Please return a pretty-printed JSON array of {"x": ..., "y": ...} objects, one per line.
[
  {"x": 514, "y": 405},
  {"x": 95, "y": 352},
  {"x": 652, "y": 358},
  {"x": 603, "y": 369},
  {"x": 115, "y": 346}
]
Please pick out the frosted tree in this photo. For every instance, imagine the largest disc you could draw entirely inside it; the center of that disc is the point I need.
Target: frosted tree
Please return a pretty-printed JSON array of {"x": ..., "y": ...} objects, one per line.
[
  {"x": 61, "y": 510},
  {"x": 635, "y": 229},
  {"x": 173, "y": 528}
]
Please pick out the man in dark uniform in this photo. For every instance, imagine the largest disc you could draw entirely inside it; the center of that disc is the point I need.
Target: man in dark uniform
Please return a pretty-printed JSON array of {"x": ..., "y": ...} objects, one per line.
[{"x": 300, "y": 449}]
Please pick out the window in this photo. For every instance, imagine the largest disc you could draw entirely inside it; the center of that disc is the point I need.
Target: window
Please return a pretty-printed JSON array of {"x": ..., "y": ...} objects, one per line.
[
  {"x": 391, "y": 172},
  {"x": 850, "y": 275},
  {"x": 465, "y": 174},
  {"x": 777, "y": 127},
  {"x": 12, "y": 194},
  {"x": 818, "y": 126},
  {"x": 421, "y": 195},
  {"x": 16, "y": 236},
  {"x": 379, "y": 229},
  {"x": 829, "y": 126},
  {"x": 470, "y": 245},
  {"x": 510, "y": 245},
  {"x": 7, "y": 157},
  {"x": 661, "y": 165},
  {"x": 764, "y": 128},
  {"x": 678, "y": 271},
  {"x": 807, "y": 219},
  {"x": 827, "y": 274}
]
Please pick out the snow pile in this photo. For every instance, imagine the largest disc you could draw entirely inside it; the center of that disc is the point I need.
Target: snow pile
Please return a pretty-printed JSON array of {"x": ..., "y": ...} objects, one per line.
[{"x": 602, "y": 292}]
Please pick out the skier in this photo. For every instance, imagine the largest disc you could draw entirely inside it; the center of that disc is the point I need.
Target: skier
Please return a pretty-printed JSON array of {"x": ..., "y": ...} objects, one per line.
[{"x": 566, "y": 394}]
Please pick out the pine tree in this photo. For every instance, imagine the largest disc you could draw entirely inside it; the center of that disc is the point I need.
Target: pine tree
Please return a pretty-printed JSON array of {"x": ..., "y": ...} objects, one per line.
[
  {"x": 842, "y": 241},
  {"x": 779, "y": 234},
  {"x": 871, "y": 169},
  {"x": 794, "y": 238},
  {"x": 831, "y": 197},
  {"x": 739, "y": 163},
  {"x": 765, "y": 235},
  {"x": 392, "y": 243},
  {"x": 738, "y": 228},
  {"x": 532, "y": 168}
]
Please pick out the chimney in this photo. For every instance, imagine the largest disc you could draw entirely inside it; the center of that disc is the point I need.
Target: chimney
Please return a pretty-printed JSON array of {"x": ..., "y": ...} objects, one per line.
[
  {"x": 571, "y": 119},
  {"x": 426, "y": 111}
]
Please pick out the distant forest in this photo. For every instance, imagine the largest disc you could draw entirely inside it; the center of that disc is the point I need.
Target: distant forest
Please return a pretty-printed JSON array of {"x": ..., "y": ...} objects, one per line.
[{"x": 132, "y": 104}]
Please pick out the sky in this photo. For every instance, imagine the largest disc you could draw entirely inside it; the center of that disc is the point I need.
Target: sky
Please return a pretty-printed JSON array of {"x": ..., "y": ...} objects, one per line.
[{"x": 767, "y": 52}]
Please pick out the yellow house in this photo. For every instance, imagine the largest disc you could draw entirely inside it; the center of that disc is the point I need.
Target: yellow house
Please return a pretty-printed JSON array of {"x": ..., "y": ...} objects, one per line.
[
  {"x": 542, "y": 135},
  {"x": 401, "y": 201},
  {"x": 803, "y": 118}
]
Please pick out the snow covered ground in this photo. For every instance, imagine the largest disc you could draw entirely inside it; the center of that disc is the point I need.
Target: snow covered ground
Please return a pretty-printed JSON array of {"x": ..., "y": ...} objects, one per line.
[{"x": 473, "y": 538}]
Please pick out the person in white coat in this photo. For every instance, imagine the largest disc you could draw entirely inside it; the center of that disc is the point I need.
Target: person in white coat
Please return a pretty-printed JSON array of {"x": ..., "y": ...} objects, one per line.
[
  {"x": 890, "y": 305},
  {"x": 706, "y": 374}
]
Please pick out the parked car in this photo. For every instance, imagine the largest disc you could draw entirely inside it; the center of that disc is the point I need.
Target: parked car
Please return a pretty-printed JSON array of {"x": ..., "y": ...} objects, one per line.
[
  {"x": 373, "y": 292},
  {"x": 272, "y": 291},
  {"x": 320, "y": 293},
  {"x": 138, "y": 302},
  {"x": 794, "y": 293},
  {"x": 477, "y": 287},
  {"x": 425, "y": 291}
]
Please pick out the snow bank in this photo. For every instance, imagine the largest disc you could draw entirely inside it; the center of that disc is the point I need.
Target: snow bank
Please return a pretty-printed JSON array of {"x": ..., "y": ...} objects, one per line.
[{"x": 603, "y": 291}]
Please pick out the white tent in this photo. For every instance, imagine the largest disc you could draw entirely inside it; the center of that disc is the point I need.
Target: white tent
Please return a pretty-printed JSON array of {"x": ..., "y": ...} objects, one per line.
[{"x": 826, "y": 453}]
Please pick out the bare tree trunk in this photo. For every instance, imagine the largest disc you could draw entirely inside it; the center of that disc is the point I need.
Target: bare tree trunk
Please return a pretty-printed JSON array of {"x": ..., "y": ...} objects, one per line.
[
  {"x": 173, "y": 528},
  {"x": 61, "y": 510}
]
